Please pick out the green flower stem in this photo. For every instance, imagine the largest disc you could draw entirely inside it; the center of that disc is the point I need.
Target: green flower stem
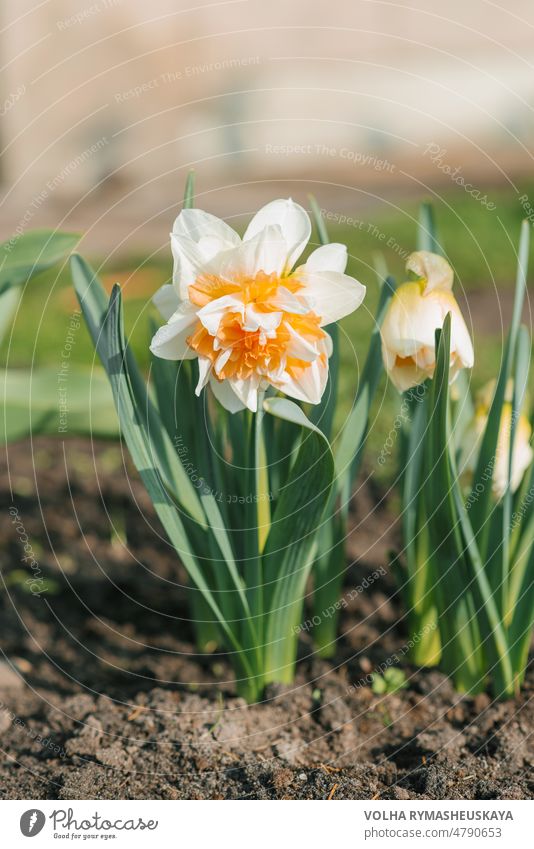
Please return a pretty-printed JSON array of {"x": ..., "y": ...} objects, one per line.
[
  {"x": 281, "y": 640},
  {"x": 329, "y": 572},
  {"x": 207, "y": 632},
  {"x": 262, "y": 477}
]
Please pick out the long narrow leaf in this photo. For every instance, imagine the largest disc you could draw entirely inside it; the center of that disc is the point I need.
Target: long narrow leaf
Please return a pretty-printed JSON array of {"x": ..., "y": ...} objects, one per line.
[
  {"x": 31, "y": 253},
  {"x": 486, "y": 458},
  {"x": 292, "y": 540}
]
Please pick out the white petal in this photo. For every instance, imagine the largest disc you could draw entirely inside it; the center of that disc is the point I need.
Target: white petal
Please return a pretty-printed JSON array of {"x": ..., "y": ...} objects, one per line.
[
  {"x": 204, "y": 370},
  {"x": 225, "y": 395},
  {"x": 222, "y": 359},
  {"x": 197, "y": 238},
  {"x": 255, "y": 319},
  {"x": 332, "y": 257},
  {"x": 246, "y": 390},
  {"x": 212, "y": 234},
  {"x": 408, "y": 332},
  {"x": 334, "y": 295},
  {"x": 299, "y": 347},
  {"x": 288, "y": 302},
  {"x": 294, "y": 223},
  {"x": 389, "y": 357},
  {"x": 412, "y": 318},
  {"x": 460, "y": 339},
  {"x": 311, "y": 383},
  {"x": 407, "y": 377},
  {"x": 433, "y": 268},
  {"x": 425, "y": 358},
  {"x": 169, "y": 342},
  {"x": 212, "y": 313},
  {"x": 329, "y": 345},
  {"x": 265, "y": 252},
  {"x": 166, "y": 300},
  {"x": 189, "y": 263}
]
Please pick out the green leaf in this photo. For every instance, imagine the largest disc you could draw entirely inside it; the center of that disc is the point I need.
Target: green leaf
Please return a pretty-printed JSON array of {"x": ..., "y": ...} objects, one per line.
[
  {"x": 328, "y": 573},
  {"x": 31, "y": 253},
  {"x": 465, "y": 583},
  {"x": 139, "y": 444},
  {"x": 318, "y": 221},
  {"x": 452, "y": 580},
  {"x": 139, "y": 424},
  {"x": 292, "y": 540},
  {"x": 391, "y": 681},
  {"x": 189, "y": 193},
  {"x": 93, "y": 302},
  {"x": 427, "y": 238},
  {"x": 287, "y": 410},
  {"x": 463, "y": 408},
  {"x": 73, "y": 402},
  {"x": 522, "y": 614},
  {"x": 323, "y": 413},
  {"x": 9, "y": 301},
  {"x": 329, "y": 566},
  {"x": 481, "y": 509},
  {"x": 521, "y": 370},
  {"x": 417, "y": 585},
  {"x": 350, "y": 445}
]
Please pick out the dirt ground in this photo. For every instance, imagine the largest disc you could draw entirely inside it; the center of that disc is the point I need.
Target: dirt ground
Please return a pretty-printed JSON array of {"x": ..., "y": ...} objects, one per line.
[{"x": 102, "y": 695}]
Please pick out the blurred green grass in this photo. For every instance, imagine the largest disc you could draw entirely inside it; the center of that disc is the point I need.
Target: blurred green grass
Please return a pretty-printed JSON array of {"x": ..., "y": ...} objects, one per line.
[{"x": 480, "y": 244}]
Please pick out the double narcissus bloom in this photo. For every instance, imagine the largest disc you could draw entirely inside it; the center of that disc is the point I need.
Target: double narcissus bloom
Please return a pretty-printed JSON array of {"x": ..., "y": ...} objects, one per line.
[
  {"x": 237, "y": 305},
  {"x": 417, "y": 309},
  {"x": 522, "y": 454}
]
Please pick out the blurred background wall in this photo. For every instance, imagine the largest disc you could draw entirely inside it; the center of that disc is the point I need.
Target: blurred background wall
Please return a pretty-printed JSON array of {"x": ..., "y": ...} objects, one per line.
[{"x": 105, "y": 106}]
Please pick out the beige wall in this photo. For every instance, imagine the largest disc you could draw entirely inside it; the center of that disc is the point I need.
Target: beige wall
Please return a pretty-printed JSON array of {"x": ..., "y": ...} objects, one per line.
[{"x": 347, "y": 92}]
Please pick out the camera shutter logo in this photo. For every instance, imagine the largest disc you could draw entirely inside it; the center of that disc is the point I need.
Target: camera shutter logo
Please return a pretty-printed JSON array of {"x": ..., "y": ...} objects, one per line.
[{"x": 32, "y": 822}]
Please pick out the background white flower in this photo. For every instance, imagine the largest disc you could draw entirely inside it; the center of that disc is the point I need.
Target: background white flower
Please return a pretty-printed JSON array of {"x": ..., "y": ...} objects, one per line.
[
  {"x": 416, "y": 311},
  {"x": 472, "y": 437}
]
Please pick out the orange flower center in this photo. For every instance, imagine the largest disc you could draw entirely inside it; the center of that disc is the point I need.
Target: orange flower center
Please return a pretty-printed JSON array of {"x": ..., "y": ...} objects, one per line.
[{"x": 241, "y": 352}]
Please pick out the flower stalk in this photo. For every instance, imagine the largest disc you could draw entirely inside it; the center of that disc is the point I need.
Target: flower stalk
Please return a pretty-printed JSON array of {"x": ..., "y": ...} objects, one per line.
[{"x": 241, "y": 478}]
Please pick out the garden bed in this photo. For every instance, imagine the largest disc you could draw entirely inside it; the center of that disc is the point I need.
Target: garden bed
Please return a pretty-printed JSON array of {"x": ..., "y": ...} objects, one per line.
[{"x": 115, "y": 703}]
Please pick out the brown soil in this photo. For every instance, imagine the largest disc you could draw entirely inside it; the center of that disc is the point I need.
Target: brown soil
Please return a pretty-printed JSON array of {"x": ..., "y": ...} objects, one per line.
[{"x": 110, "y": 701}]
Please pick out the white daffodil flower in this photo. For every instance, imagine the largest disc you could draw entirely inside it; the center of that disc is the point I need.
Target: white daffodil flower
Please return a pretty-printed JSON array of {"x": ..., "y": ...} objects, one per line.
[
  {"x": 416, "y": 311},
  {"x": 522, "y": 455},
  {"x": 238, "y": 306}
]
